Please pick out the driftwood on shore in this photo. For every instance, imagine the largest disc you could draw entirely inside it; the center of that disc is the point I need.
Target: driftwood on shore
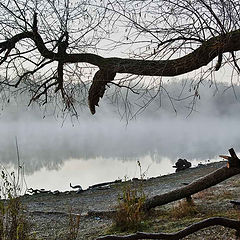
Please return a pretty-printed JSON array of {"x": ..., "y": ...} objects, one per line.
[
  {"x": 233, "y": 168},
  {"x": 225, "y": 222},
  {"x": 104, "y": 184}
]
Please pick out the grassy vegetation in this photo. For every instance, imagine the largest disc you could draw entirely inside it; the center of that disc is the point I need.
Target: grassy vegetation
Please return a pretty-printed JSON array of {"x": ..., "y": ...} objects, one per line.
[
  {"x": 212, "y": 202},
  {"x": 174, "y": 217},
  {"x": 183, "y": 209},
  {"x": 13, "y": 221},
  {"x": 130, "y": 215},
  {"x": 168, "y": 218}
]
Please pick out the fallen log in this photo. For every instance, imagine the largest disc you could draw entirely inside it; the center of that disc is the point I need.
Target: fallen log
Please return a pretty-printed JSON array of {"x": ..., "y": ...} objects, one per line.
[
  {"x": 229, "y": 223},
  {"x": 232, "y": 169}
]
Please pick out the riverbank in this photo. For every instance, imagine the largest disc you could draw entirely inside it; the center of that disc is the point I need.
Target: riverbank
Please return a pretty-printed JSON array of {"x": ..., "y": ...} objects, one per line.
[{"x": 50, "y": 213}]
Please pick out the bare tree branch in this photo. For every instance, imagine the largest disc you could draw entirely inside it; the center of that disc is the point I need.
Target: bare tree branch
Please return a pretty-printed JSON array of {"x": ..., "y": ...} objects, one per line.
[
  {"x": 229, "y": 223},
  {"x": 166, "y": 38}
]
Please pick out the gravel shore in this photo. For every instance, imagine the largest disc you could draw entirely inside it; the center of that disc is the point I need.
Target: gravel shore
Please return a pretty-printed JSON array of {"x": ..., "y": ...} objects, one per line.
[{"x": 50, "y": 213}]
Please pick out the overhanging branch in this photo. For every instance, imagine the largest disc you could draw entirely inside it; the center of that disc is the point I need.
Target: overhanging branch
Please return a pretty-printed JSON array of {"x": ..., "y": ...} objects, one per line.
[
  {"x": 97, "y": 89},
  {"x": 200, "y": 57}
]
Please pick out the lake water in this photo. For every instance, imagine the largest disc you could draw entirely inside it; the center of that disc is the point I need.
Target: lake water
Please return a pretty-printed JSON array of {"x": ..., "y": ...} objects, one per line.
[
  {"x": 88, "y": 172},
  {"x": 91, "y": 171},
  {"x": 103, "y": 147},
  {"x": 91, "y": 152}
]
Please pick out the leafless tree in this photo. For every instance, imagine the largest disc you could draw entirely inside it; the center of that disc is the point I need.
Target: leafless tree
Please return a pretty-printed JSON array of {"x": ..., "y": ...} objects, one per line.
[{"x": 55, "y": 48}]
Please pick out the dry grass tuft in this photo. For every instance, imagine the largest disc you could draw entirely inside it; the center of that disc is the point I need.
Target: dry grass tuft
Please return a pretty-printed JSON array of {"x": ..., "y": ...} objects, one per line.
[
  {"x": 183, "y": 209},
  {"x": 225, "y": 194},
  {"x": 206, "y": 194},
  {"x": 130, "y": 215}
]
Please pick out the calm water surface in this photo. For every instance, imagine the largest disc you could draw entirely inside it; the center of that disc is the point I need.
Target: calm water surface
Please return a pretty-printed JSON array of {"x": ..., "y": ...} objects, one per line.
[
  {"x": 88, "y": 172},
  {"x": 103, "y": 148}
]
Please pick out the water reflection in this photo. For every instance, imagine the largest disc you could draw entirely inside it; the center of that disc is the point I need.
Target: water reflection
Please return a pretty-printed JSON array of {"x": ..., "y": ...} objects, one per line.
[
  {"x": 92, "y": 171},
  {"x": 45, "y": 144}
]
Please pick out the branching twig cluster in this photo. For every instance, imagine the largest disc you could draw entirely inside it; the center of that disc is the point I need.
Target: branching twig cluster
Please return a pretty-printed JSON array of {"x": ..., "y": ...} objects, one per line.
[{"x": 157, "y": 38}]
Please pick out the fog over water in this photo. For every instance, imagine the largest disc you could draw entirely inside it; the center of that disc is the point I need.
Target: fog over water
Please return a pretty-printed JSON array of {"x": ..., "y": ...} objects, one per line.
[{"x": 103, "y": 141}]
